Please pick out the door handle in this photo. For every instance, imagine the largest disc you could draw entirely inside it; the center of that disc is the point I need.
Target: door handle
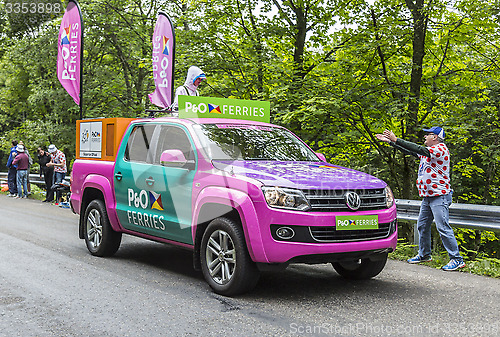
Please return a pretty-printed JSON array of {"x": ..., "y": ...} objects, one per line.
[
  {"x": 118, "y": 176},
  {"x": 150, "y": 181}
]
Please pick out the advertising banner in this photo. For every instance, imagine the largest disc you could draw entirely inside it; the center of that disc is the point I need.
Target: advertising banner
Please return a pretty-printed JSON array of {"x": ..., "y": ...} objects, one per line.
[
  {"x": 70, "y": 50},
  {"x": 163, "y": 62},
  {"x": 215, "y": 107},
  {"x": 90, "y": 139}
]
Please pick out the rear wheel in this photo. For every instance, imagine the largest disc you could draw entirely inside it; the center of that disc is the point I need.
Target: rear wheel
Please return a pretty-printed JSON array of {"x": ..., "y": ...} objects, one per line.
[
  {"x": 361, "y": 269},
  {"x": 100, "y": 238},
  {"x": 225, "y": 262}
]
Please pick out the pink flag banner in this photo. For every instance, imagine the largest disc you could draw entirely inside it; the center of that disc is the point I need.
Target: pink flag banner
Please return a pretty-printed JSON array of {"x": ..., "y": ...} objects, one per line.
[
  {"x": 163, "y": 62},
  {"x": 69, "y": 54}
]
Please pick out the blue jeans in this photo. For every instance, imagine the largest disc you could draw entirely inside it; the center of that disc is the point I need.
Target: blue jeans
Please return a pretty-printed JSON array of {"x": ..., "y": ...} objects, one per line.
[
  {"x": 12, "y": 180},
  {"x": 437, "y": 209},
  {"x": 58, "y": 177},
  {"x": 22, "y": 183}
]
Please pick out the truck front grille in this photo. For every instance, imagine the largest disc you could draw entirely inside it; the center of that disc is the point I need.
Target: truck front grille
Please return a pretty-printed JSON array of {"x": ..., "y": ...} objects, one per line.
[
  {"x": 326, "y": 234},
  {"x": 330, "y": 234}
]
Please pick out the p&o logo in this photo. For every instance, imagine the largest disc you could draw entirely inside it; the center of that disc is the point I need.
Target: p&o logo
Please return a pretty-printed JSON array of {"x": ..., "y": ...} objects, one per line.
[{"x": 145, "y": 200}]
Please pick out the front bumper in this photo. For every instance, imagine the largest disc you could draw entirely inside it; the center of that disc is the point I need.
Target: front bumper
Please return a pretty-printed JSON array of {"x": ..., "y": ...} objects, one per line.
[{"x": 290, "y": 251}]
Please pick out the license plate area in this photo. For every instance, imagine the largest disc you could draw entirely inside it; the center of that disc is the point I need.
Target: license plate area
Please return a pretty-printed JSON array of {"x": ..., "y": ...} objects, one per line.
[{"x": 356, "y": 222}]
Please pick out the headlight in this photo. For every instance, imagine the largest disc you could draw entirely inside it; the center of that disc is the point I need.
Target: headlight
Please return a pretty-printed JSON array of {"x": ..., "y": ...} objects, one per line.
[
  {"x": 389, "y": 197},
  {"x": 285, "y": 198}
]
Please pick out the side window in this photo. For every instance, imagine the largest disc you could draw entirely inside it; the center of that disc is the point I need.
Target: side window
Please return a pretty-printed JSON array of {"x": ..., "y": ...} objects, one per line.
[
  {"x": 173, "y": 138},
  {"x": 139, "y": 144}
]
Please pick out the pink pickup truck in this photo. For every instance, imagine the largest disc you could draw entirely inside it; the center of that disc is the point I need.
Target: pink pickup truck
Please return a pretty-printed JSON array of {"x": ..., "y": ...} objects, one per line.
[{"x": 242, "y": 196}]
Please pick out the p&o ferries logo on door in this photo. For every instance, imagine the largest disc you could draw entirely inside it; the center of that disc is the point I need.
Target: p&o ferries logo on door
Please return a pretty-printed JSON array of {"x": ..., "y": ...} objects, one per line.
[{"x": 146, "y": 200}]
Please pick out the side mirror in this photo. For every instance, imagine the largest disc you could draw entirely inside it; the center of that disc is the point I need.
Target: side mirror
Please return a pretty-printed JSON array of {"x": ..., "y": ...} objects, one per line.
[
  {"x": 321, "y": 156},
  {"x": 175, "y": 158}
]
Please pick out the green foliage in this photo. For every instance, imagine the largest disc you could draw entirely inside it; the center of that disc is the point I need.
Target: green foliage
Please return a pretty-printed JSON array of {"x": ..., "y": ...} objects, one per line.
[
  {"x": 476, "y": 263},
  {"x": 336, "y": 72},
  {"x": 478, "y": 243},
  {"x": 404, "y": 250}
]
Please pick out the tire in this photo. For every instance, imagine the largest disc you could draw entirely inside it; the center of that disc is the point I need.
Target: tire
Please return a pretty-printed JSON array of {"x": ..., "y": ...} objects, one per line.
[
  {"x": 100, "y": 238},
  {"x": 225, "y": 262},
  {"x": 360, "y": 269}
]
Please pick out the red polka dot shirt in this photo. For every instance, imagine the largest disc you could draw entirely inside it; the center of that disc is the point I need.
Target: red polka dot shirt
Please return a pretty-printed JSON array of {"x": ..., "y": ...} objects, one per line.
[{"x": 434, "y": 172}]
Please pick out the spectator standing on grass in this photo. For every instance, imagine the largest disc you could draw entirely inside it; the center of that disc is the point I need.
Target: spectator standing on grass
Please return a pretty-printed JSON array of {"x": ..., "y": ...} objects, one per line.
[
  {"x": 12, "y": 173},
  {"x": 22, "y": 163},
  {"x": 29, "y": 166},
  {"x": 48, "y": 173},
  {"x": 433, "y": 183},
  {"x": 58, "y": 162}
]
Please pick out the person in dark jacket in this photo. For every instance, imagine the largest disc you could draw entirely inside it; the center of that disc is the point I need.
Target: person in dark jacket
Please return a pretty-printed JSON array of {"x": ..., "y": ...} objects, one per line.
[
  {"x": 22, "y": 162},
  {"x": 48, "y": 173},
  {"x": 12, "y": 174}
]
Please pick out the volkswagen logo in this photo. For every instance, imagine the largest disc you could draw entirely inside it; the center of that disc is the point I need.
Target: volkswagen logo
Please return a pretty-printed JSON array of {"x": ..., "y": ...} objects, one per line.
[{"x": 352, "y": 200}]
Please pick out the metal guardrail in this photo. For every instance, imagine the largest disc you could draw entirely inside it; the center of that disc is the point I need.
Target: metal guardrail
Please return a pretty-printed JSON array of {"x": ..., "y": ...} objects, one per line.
[
  {"x": 481, "y": 217},
  {"x": 34, "y": 178}
]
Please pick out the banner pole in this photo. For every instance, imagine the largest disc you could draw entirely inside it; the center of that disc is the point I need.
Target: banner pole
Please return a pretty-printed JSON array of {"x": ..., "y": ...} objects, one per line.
[{"x": 81, "y": 59}]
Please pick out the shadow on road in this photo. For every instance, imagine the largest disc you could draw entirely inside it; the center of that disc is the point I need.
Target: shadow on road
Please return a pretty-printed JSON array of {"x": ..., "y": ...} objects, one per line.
[
  {"x": 297, "y": 282},
  {"x": 317, "y": 282},
  {"x": 161, "y": 256}
]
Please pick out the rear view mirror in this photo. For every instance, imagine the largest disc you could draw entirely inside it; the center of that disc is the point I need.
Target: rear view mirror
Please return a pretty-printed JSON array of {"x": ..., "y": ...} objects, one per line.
[
  {"x": 175, "y": 158},
  {"x": 321, "y": 156}
]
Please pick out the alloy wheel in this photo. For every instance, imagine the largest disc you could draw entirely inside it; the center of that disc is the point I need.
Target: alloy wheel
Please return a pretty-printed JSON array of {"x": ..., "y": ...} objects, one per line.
[
  {"x": 221, "y": 257},
  {"x": 94, "y": 228}
]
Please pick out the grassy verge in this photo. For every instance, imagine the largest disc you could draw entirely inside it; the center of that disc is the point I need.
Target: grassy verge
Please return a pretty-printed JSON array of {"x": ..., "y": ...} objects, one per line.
[
  {"x": 480, "y": 265},
  {"x": 37, "y": 193}
]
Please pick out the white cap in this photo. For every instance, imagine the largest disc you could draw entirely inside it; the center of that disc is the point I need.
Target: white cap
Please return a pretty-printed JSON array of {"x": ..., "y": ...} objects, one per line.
[{"x": 52, "y": 148}]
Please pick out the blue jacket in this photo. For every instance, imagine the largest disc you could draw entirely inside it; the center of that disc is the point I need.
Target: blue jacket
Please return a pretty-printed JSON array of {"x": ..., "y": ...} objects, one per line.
[{"x": 11, "y": 158}]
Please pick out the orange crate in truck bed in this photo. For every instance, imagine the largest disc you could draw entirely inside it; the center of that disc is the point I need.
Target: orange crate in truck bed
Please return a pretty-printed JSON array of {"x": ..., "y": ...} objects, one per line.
[{"x": 99, "y": 138}]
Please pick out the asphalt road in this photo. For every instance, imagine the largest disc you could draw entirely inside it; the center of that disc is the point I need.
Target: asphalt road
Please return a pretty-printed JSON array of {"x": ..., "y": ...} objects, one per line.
[{"x": 51, "y": 286}]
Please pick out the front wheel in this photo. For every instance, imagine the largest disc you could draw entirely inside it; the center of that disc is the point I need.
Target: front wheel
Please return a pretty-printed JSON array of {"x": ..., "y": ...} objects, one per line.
[
  {"x": 100, "y": 238},
  {"x": 361, "y": 269},
  {"x": 225, "y": 262}
]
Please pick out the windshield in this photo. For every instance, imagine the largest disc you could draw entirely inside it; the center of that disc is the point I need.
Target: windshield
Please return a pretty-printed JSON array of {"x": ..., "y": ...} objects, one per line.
[{"x": 251, "y": 142}]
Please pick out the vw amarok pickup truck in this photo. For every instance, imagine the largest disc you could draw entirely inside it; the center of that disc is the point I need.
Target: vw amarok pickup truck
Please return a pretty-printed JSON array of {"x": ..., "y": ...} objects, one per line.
[{"x": 242, "y": 196}]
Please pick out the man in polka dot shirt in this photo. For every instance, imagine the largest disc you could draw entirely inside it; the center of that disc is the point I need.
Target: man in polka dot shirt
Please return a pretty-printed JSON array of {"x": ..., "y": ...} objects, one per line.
[{"x": 433, "y": 183}]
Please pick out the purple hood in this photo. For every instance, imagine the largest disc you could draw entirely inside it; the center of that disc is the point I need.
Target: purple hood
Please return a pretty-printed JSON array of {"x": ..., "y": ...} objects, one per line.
[{"x": 301, "y": 175}]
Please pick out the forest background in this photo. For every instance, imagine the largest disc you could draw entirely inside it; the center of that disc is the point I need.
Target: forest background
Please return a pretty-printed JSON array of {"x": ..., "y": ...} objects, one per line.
[{"x": 335, "y": 71}]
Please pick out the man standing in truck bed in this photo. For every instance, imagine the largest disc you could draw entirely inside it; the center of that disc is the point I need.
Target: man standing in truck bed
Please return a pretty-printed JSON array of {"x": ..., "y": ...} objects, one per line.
[
  {"x": 433, "y": 183},
  {"x": 190, "y": 88}
]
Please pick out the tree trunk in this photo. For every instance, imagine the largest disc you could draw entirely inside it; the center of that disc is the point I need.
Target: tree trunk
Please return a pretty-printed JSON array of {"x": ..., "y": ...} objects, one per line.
[
  {"x": 410, "y": 130},
  {"x": 420, "y": 19}
]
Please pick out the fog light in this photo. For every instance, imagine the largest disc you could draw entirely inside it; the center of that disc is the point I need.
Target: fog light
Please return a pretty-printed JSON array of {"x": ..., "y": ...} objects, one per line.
[
  {"x": 285, "y": 233},
  {"x": 394, "y": 226}
]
